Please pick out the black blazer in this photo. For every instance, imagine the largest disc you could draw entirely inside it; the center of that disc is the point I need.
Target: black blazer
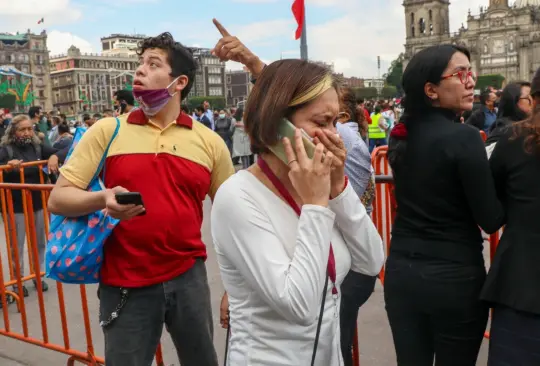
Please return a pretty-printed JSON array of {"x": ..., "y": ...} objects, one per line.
[{"x": 514, "y": 276}]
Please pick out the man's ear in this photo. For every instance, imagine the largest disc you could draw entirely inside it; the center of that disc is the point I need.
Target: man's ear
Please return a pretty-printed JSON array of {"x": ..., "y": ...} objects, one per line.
[{"x": 181, "y": 83}]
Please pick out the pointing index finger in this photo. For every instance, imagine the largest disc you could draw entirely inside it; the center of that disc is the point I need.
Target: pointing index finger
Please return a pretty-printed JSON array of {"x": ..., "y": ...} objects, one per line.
[{"x": 220, "y": 28}]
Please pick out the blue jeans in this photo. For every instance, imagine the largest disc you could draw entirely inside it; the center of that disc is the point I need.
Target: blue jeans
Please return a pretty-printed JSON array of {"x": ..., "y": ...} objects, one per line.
[
  {"x": 182, "y": 304},
  {"x": 373, "y": 143}
]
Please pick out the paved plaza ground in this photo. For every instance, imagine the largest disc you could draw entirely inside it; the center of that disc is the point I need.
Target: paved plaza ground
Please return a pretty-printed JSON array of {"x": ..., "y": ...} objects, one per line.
[{"x": 375, "y": 339}]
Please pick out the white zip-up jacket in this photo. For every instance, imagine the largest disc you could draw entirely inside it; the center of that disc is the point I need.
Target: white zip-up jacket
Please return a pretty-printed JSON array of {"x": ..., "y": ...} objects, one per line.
[{"x": 273, "y": 265}]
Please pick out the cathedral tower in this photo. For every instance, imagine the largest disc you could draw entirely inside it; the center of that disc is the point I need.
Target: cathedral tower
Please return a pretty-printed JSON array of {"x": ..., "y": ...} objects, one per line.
[{"x": 425, "y": 18}]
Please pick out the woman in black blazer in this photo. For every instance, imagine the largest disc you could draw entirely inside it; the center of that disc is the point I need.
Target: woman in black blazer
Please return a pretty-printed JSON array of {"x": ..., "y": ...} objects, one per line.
[{"x": 513, "y": 283}]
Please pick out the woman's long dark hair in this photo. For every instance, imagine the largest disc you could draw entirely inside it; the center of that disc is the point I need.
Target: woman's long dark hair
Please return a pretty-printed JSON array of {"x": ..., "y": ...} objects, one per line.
[
  {"x": 530, "y": 128},
  {"x": 510, "y": 97},
  {"x": 427, "y": 66}
]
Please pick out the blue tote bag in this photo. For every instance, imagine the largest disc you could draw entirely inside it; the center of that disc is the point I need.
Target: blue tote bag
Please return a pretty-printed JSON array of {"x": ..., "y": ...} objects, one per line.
[{"x": 75, "y": 244}]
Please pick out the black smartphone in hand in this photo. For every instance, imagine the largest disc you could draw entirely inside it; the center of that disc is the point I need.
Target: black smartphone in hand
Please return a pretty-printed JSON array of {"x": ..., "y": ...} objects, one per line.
[{"x": 130, "y": 198}]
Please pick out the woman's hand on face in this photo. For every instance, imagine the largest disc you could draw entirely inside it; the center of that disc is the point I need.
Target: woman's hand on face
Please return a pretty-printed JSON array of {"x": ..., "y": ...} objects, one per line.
[
  {"x": 334, "y": 144},
  {"x": 310, "y": 177}
]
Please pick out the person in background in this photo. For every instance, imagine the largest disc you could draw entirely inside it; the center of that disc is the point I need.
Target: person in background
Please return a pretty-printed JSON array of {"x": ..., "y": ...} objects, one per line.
[
  {"x": 485, "y": 116},
  {"x": 212, "y": 116},
  {"x": 241, "y": 142},
  {"x": 185, "y": 109},
  {"x": 515, "y": 105},
  {"x": 389, "y": 117},
  {"x": 511, "y": 287},
  {"x": 3, "y": 124},
  {"x": 377, "y": 130},
  {"x": 123, "y": 101},
  {"x": 357, "y": 287},
  {"x": 40, "y": 124},
  {"x": 202, "y": 117},
  {"x": 444, "y": 192},
  {"x": 108, "y": 113},
  {"x": 224, "y": 127},
  {"x": 53, "y": 133},
  {"x": 363, "y": 125},
  {"x": 21, "y": 145},
  {"x": 95, "y": 117},
  {"x": 367, "y": 115},
  {"x": 87, "y": 120},
  {"x": 64, "y": 137}
]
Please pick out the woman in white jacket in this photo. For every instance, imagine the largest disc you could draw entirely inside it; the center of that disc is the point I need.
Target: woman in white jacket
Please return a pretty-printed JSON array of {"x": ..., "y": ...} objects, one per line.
[{"x": 287, "y": 233}]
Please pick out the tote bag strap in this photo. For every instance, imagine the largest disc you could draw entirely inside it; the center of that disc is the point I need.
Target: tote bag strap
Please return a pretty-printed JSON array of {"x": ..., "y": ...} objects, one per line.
[
  {"x": 101, "y": 165},
  {"x": 319, "y": 323}
]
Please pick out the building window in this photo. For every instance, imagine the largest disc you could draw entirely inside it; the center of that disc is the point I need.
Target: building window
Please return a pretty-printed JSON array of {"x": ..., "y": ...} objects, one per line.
[
  {"x": 228, "y": 79},
  {"x": 215, "y": 91},
  {"x": 430, "y": 15},
  {"x": 41, "y": 94},
  {"x": 214, "y": 80},
  {"x": 422, "y": 26}
]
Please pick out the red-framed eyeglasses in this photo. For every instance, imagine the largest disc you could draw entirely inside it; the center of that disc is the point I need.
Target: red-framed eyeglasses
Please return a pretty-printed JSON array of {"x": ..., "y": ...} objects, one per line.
[{"x": 463, "y": 76}]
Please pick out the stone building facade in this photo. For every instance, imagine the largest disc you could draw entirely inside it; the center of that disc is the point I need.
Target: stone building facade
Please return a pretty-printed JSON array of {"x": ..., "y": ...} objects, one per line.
[
  {"x": 27, "y": 53},
  {"x": 85, "y": 83},
  {"x": 210, "y": 76},
  {"x": 503, "y": 38}
]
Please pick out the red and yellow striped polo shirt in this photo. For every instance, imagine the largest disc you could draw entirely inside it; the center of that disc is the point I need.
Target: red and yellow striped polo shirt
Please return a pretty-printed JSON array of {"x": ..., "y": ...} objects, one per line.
[{"x": 174, "y": 169}]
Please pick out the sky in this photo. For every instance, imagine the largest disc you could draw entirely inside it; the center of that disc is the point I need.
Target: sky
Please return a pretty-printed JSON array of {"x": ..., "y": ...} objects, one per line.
[{"x": 348, "y": 33}]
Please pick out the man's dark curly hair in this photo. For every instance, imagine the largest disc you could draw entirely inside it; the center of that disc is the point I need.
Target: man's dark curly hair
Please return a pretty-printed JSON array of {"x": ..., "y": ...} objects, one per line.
[{"x": 180, "y": 58}]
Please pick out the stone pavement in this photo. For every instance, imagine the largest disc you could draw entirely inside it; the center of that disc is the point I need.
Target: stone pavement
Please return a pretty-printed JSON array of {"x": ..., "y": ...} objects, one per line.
[{"x": 375, "y": 338}]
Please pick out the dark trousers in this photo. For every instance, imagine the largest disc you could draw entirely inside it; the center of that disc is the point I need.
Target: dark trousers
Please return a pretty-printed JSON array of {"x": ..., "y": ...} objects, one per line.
[
  {"x": 373, "y": 143},
  {"x": 182, "y": 304},
  {"x": 434, "y": 310},
  {"x": 355, "y": 291},
  {"x": 515, "y": 338}
]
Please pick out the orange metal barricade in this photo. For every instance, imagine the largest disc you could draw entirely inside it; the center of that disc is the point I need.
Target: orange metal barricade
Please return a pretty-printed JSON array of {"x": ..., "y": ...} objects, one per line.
[{"x": 16, "y": 278}]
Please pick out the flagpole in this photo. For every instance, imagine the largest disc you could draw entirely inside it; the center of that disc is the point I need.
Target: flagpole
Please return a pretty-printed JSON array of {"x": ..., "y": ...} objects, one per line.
[{"x": 303, "y": 39}]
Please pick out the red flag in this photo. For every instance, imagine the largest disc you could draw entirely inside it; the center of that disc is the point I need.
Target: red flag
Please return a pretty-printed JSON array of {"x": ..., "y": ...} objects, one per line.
[{"x": 298, "y": 9}]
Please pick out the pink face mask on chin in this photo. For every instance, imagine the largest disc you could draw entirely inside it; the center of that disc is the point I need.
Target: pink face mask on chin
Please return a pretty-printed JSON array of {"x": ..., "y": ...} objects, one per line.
[{"x": 152, "y": 101}]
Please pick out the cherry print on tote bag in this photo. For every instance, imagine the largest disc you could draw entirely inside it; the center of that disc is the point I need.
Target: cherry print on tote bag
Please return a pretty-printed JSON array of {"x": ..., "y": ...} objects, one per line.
[{"x": 75, "y": 245}]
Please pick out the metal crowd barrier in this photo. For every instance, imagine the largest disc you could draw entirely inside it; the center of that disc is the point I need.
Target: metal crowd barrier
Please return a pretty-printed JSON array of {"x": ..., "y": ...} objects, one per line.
[{"x": 8, "y": 294}]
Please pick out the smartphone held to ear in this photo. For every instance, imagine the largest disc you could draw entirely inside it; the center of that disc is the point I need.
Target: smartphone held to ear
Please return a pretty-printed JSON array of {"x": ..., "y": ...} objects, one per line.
[
  {"x": 130, "y": 198},
  {"x": 287, "y": 129}
]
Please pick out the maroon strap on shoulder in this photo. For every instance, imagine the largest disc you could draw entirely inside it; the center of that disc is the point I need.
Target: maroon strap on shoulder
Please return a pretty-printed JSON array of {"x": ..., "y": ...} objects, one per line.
[{"x": 331, "y": 267}]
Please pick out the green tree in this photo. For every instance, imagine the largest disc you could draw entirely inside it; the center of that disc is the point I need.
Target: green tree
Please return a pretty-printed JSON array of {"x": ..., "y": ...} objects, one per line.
[
  {"x": 366, "y": 93},
  {"x": 389, "y": 91},
  {"x": 215, "y": 102},
  {"x": 494, "y": 80},
  {"x": 395, "y": 73}
]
